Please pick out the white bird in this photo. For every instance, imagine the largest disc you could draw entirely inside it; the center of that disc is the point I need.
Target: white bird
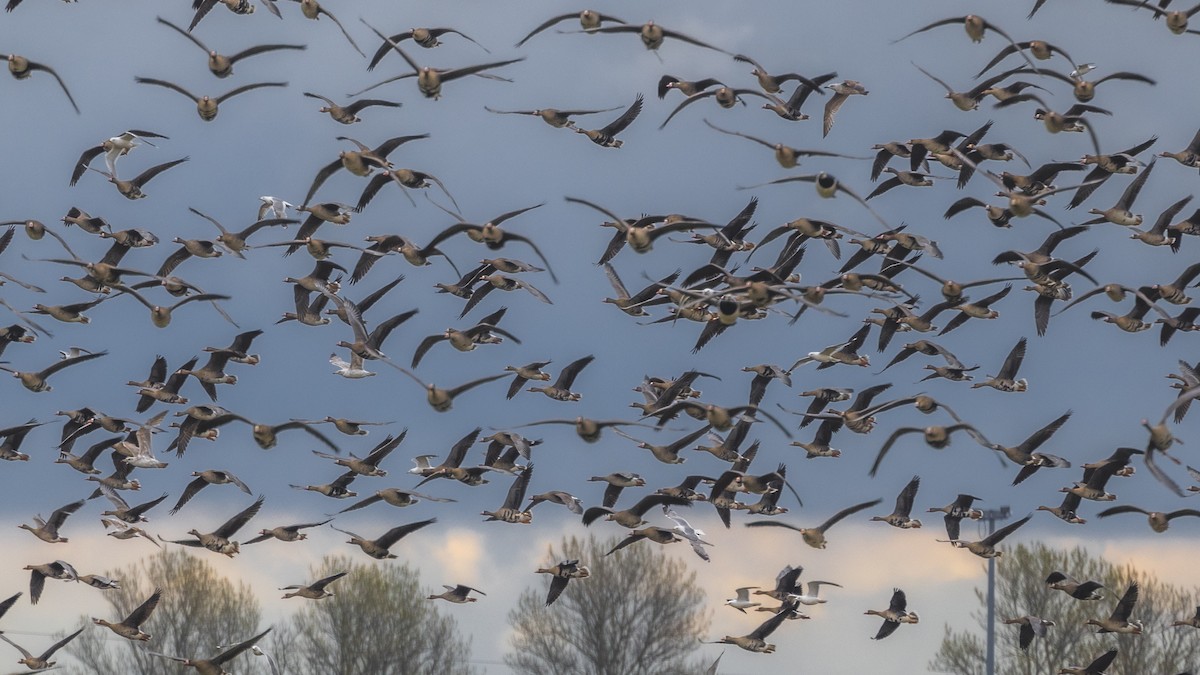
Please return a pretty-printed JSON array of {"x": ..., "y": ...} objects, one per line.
[
  {"x": 72, "y": 352},
  {"x": 270, "y": 659},
  {"x": 121, "y": 145},
  {"x": 812, "y": 595},
  {"x": 1081, "y": 70},
  {"x": 142, "y": 455},
  {"x": 423, "y": 467},
  {"x": 353, "y": 370},
  {"x": 743, "y": 602},
  {"x": 274, "y": 205},
  {"x": 686, "y": 531}
]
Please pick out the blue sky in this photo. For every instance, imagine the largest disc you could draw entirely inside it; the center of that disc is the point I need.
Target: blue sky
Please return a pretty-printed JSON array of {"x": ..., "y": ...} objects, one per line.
[{"x": 273, "y": 141}]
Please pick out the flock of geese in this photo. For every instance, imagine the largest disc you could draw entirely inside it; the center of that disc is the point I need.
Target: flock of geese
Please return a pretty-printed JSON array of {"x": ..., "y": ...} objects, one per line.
[{"x": 959, "y": 223}]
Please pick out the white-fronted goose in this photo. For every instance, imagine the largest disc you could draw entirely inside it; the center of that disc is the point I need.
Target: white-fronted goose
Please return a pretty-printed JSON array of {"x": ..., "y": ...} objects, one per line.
[
  {"x": 1004, "y": 379},
  {"x": 633, "y": 516},
  {"x": 348, "y": 114},
  {"x": 815, "y": 536},
  {"x": 132, "y": 189},
  {"x": 937, "y": 437},
  {"x": 899, "y": 517},
  {"x": 311, "y": 9},
  {"x": 726, "y": 97},
  {"x": 552, "y": 116},
  {"x": 1193, "y": 620},
  {"x": 220, "y": 64},
  {"x": 369, "y": 465},
  {"x": 288, "y": 533},
  {"x": 423, "y": 37},
  {"x": 755, "y": 641},
  {"x": 59, "y": 569},
  {"x": 986, "y": 547},
  {"x": 47, "y": 530},
  {"x": 652, "y": 35},
  {"x": 396, "y": 497},
  {"x": 606, "y": 136},
  {"x": 315, "y": 590},
  {"x": 1031, "y": 627},
  {"x": 430, "y": 80},
  {"x": 204, "y": 479},
  {"x": 561, "y": 389},
  {"x": 457, "y": 594},
  {"x": 588, "y": 20},
  {"x": 1101, "y": 663},
  {"x": 42, "y": 662},
  {"x": 130, "y": 627},
  {"x": 207, "y": 106},
  {"x": 378, "y": 548},
  {"x": 215, "y": 665},
  {"x": 561, "y": 573},
  {"x": 21, "y": 68},
  {"x": 218, "y": 541},
  {"x": 1087, "y": 590},
  {"x": 1025, "y": 455},
  {"x": 338, "y": 489},
  {"x": 510, "y": 511},
  {"x": 1118, "y": 621},
  {"x": 360, "y": 162},
  {"x": 1159, "y": 520},
  {"x": 442, "y": 399},
  {"x": 896, "y": 614},
  {"x": 123, "y": 511}
]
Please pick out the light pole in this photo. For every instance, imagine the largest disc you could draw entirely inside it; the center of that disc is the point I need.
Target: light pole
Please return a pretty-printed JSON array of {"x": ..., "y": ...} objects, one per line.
[{"x": 990, "y": 516}]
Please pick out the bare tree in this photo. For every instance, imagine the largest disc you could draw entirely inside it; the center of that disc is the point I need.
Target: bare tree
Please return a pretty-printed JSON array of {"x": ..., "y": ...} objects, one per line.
[
  {"x": 377, "y": 623},
  {"x": 1021, "y": 590},
  {"x": 198, "y": 611},
  {"x": 640, "y": 611}
]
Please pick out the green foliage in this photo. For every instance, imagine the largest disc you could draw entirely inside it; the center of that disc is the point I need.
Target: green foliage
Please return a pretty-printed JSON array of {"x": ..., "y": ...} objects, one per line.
[
  {"x": 198, "y": 611},
  {"x": 377, "y": 623},
  {"x": 640, "y": 611},
  {"x": 1021, "y": 590}
]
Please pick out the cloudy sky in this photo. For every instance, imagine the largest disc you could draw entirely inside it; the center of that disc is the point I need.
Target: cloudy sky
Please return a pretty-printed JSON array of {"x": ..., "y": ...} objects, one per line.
[{"x": 273, "y": 141}]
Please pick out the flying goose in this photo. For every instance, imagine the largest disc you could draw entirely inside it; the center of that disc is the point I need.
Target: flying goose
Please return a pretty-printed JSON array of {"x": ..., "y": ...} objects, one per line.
[
  {"x": 348, "y": 114},
  {"x": 1159, "y": 520},
  {"x": 21, "y": 68},
  {"x": 218, "y": 541},
  {"x": 42, "y": 662},
  {"x": 896, "y": 614},
  {"x": 457, "y": 594},
  {"x": 430, "y": 80},
  {"x": 315, "y": 590},
  {"x": 899, "y": 517},
  {"x": 220, "y": 64},
  {"x": 396, "y": 497},
  {"x": 130, "y": 627},
  {"x": 1087, "y": 590},
  {"x": 207, "y": 107},
  {"x": 815, "y": 536},
  {"x": 1118, "y": 621},
  {"x": 560, "y": 574},
  {"x": 1031, "y": 627},
  {"x": 986, "y": 547},
  {"x": 588, "y": 20},
  {"x": 755, "y": 641},
  {"x": 214, "y": 665},
  {"x": 378, "y": 548},
  {"x": 47, "y": 530},
  {"x": 287, "y": 533}
]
